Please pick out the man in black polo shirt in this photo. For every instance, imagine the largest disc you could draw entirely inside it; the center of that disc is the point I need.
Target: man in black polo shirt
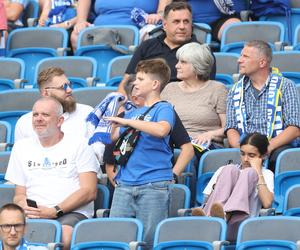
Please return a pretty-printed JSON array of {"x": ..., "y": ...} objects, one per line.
[{"x": 177, "y": 25}]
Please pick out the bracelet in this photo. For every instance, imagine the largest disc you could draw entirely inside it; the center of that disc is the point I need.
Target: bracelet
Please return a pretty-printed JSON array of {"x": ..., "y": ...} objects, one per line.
[{"x": 259, "y": 184}]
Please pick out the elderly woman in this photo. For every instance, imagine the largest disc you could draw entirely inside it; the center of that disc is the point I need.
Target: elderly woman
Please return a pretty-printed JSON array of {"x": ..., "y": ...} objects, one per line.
[{"x": 199, "y": 101}]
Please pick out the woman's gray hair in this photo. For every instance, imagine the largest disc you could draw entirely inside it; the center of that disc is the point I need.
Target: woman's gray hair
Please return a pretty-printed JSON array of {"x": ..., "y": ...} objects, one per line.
[{"x": 199, "y": 55}]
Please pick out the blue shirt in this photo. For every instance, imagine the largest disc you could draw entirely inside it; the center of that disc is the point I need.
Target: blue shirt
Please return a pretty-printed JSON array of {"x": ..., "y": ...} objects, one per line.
[
  {"x": 119, "y": 11},
  {"x": 25, "y": 245},
  {"x": 150, "y": 160},
  {"x": 205, "y": 11},
  {"x": 256, "y": 107}
]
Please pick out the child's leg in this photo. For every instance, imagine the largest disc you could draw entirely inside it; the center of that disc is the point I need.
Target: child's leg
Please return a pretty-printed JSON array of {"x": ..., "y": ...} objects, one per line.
[{"x": 223, "y": 187}]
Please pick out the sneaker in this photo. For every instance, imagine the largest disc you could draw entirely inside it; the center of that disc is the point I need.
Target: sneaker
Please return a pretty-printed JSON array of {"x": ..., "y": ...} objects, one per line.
[
  {"x": 217, "y": 210},
  {"x": 198, "y": 211}
]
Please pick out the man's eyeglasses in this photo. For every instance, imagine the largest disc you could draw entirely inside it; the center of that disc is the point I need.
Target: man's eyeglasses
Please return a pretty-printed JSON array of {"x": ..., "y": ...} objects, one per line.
[
  {"x": 7, "y": 227},
  {"x": 64, "y": 87}
]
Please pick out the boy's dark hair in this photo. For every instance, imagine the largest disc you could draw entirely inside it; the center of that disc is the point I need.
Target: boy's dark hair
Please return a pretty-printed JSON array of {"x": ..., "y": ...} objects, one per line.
[
  {"x": 46, "y": 75},
  {"x": 158, "y": 67},
  {"x": 257, "y": 140},
  {"x": 179, "y": 5},
  {"x": 13, "y": 207}
]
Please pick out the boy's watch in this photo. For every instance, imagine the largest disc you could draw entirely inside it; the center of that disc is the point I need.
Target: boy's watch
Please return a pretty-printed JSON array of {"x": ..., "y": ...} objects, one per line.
[{"x": 59, "y": 211}]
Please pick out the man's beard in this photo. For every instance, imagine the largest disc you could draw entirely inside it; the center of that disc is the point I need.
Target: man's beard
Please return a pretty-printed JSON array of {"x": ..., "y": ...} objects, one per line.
[{"x": 69, "y": 104}]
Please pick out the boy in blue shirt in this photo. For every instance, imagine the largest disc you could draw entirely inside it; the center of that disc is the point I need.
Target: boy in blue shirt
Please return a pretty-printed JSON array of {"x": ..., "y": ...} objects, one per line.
[{"x": 142, "y": 189}]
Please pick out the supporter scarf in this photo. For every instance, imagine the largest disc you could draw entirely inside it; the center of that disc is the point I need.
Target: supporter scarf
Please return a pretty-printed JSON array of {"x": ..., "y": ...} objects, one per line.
[
  {"x": 225, "y": 6},
  {"x": 274, "y": 106}
]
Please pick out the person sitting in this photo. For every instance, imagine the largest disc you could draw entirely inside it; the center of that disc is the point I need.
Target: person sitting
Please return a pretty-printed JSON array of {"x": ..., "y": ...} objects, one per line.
[
  {"x": 263, "y": 101},
  {"x": 236, "y": 192},
  {"x": 12, "y": 229},
  {"x": 177, "y": 24},
  {"x": 14, "y": 11},
  {"x": 56, "y": 169},
  {"x": 199, "y": 101},
  {"x": 115, "y": 13},
  {"x": 217, "y": 14}
]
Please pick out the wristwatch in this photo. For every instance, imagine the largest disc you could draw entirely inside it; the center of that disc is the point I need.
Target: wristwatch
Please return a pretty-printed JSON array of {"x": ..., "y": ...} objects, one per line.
[{"x": 59, "y": 211}]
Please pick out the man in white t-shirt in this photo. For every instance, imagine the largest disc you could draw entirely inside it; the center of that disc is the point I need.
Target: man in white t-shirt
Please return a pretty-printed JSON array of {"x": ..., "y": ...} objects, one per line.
[
  {"x": 55, "y": 169},
  {"x": 53, "y": 82}
]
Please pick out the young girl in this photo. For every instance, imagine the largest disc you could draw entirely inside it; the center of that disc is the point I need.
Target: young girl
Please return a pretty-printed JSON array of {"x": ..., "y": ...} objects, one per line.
[{"x": 236, "y": 192}]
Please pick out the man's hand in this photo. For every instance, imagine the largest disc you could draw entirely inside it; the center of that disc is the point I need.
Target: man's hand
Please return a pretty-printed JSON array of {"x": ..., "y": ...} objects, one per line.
[
  {"x": 41, "y": 212},
  {"x": 153, "y": 18},
  {"x": 79, "y": 26}
]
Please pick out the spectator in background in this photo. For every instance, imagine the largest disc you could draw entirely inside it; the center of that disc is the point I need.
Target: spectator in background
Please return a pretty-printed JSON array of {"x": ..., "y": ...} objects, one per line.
[
  {"x": 14, "y": 11},
  {"x": 199, "y": 101},
  {"x": 177, "y": 24},
  {"x": 217, "y": 13},
  {"x": 12, "y": 228},
  {"x": 115, "y": 12},
  {"x": 263, "y": 101},
  {"x": 236, "y": 192},
  {"x": 55, "y": 169},
  {"x": 58, "y": 13}
]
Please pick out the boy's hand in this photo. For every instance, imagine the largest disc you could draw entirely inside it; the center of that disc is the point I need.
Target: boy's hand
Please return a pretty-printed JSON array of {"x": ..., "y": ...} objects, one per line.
[{"x": 119, "y": 122}]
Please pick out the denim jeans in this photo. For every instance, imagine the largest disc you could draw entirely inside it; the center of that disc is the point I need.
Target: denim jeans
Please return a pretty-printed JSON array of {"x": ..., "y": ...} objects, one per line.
[{"x": 149, "y": 203}]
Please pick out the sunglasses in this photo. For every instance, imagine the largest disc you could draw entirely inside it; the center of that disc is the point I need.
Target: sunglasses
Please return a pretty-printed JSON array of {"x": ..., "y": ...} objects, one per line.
[{"x": 64, "y": 87}]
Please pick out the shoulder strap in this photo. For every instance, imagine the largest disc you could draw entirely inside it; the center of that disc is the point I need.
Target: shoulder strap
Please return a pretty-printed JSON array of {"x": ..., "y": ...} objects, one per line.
[{"x": 148, "y": 110}]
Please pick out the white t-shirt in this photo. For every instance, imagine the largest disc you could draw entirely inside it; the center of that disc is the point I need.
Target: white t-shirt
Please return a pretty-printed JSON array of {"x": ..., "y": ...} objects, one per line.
[
  {"x": 74, "y": 123},
  {"x": 256, "y": 206},
  {"x": 51, "y": 174}
]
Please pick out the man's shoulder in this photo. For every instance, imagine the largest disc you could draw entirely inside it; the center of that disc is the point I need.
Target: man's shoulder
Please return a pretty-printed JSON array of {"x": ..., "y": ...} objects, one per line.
[{"x": 84, "y": 107}]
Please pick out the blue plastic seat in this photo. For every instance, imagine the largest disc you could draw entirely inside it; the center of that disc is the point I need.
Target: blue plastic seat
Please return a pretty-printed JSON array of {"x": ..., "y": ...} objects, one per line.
[
  {"x": 116, "y": 69},
  {"x": 292, "y": 201},
  {"x": 296, "y": 39}
]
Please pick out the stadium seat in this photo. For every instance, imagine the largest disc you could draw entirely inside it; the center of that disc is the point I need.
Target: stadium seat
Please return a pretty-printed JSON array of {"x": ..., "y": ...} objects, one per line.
[
  {"x": 89, "y": 45},
  {"x": 18, "y": 99},
  {"x": 41, "y": 232},
  {"x": 292, "y": 201},
  {"x": 92, "y": 95},
  {"x": 235, "y": 35},
  {"x": 287, "y": 174},
  {"x": 31, "y": 13},
  {"x": 12, "y": 73},
  {"x": 227, "y": 66},
  {"x": 209, "y": 163},
  {"x": 34, "y": 44},
  {"x": 285, "y": 61},
  {"x": 102, "y": 199},
  {"x": 116, "y": 69},
  {"x": 80, "y": 70},
  {"x": 290, "y": 23},
  {"x": 107, "y": 233},
  {"x": 296, "y": 40},
  {"x": 190, "y": 233},
  {"x": 269, "y": 232},
  {"x": 5, "y": 135},
  {"x": 7, "y": 193}
]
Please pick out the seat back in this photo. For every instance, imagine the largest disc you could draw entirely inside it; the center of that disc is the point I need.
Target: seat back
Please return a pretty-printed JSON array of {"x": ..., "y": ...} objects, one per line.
[
  {"x": 74, "y": 66},
  {"x": 12, "y": 68},
  {"x": 269, "y": 228},
  {"x": 102, "y": 199},
  {"x": 296, "y": 39},
  {"x": 35, "y": 44},
  {"x": 18, "y": 99},
  {"x": 7, "y": 193},
  {"x": 209, "y": 163},
  {"x": 292, "y": 198},
  {"x": 207, "y": 229},
  {"x": 116, "y": 69},
  {"x": 235, "y": 35},
  {"x": 295, "y": 4},
  {"x": 288, "y": 160},
  {"x": 180, "y": 197},
  {"x": 43, "y": 231},
  {"x": 5, "y": 132},
  {"x": 92, "y": 95},
  {"x": 107, "y": 230},
  {"x": 285, "y": 61}
]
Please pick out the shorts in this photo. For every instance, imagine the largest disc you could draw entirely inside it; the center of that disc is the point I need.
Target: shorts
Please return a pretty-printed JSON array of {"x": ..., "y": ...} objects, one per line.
[
  {"x": 216, "y": 25},
  {"x": 71, "y": 218}
]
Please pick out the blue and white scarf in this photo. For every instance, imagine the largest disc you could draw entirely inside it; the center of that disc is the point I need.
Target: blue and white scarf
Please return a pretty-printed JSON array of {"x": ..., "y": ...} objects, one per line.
[
  {"x": 274, "y": 105},
  {"x": 225, "y": 6},
  {"x": 99, "y": 130}
]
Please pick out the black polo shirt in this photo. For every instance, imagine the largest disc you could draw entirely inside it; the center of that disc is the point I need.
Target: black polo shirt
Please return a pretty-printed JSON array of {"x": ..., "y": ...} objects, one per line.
[{"x": 156, "y": 47}]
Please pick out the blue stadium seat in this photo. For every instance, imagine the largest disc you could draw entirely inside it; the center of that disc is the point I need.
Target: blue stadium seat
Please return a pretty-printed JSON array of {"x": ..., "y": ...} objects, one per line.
[{"x": 116, "y": 69}]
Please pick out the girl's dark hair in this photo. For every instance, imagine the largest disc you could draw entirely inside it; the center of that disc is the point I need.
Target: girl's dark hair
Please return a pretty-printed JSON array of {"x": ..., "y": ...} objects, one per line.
[{"x": 257, "y": 140}]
